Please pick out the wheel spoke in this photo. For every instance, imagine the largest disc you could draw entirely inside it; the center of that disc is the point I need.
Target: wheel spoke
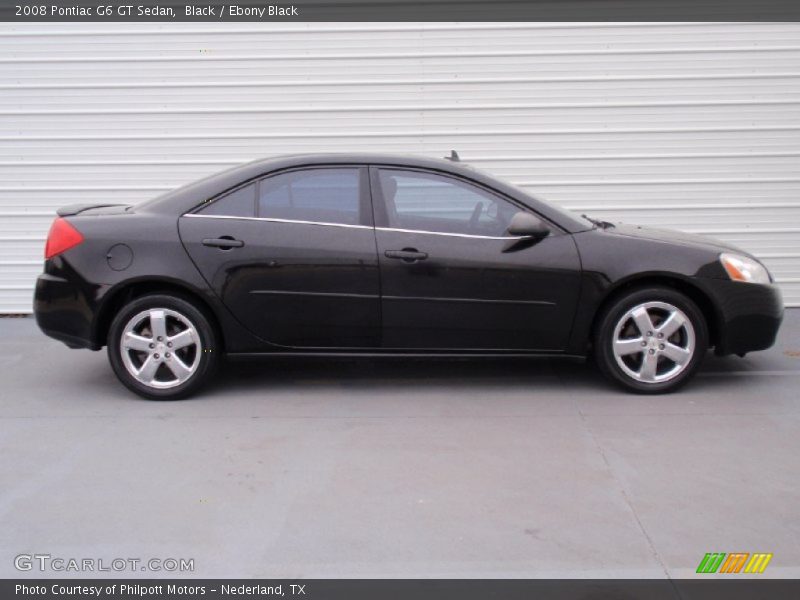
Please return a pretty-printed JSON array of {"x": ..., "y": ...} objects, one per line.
[
  {"x": 649, "y": 365},
  {"x": 147, "y": 372},
  {"x": 178, "y": 368},
  {"x": 642, "y": 319},
  {"x": 182, "y": 339},
  {"x": 131, "y": 341},
  {"x": 677, "y": 354},
  {"x": 671, "y": 324},
  {"x": 629, "y": 346},
  {"x": 158, "y": 324}
]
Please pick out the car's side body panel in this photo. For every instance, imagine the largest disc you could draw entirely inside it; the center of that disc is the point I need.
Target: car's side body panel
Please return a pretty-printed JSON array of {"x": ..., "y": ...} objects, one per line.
[
  {"x": 478, "y": 294},
  {"x": 79, "y": 287},
  {"x": 614, "y": 261},
  {"x": 295, "y": 285}
]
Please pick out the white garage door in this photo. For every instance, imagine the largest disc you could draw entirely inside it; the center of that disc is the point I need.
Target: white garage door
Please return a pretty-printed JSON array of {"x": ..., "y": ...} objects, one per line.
[{"x": 693, "y": 126}]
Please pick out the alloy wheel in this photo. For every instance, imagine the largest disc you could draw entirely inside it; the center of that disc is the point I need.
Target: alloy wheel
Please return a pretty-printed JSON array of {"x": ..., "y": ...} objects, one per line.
[
  {"x": 653, "y": 342},
  {"x": 160, "y": 348}
]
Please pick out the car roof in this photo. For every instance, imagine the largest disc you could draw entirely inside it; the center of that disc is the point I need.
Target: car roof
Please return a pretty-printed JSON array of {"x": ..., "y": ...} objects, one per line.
[{"x": 187, "y": 197}]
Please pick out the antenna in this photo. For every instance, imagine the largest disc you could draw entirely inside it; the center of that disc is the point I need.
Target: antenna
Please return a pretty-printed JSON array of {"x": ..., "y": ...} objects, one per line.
[{"x": 453, "y": 156}]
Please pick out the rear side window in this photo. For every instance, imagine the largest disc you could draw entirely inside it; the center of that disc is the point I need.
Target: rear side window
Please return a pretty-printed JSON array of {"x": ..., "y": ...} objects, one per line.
[
  {"x": 239, "y": 203},
  {"x": 317, "y": 195}
]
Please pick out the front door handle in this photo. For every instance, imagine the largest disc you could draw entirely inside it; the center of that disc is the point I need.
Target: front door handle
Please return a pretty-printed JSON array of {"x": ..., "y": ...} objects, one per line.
[
  {"x": 225, "y": 242},
  {"x": 409, "y": 255}
]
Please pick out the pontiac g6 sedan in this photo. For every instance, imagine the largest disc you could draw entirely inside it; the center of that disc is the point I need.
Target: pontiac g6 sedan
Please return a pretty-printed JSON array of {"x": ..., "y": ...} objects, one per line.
[{"x": 368, "y": 255}]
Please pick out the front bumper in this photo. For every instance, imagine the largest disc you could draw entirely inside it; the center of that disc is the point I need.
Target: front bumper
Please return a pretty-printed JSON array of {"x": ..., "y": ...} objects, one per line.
[
  {"x": 748, "y": 315},
  {"x": 63, "y": 310}
]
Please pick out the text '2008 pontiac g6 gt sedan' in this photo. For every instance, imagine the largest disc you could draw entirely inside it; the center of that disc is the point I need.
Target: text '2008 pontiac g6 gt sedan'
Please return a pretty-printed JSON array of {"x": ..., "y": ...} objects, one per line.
[{"x": 369, "y": 255}]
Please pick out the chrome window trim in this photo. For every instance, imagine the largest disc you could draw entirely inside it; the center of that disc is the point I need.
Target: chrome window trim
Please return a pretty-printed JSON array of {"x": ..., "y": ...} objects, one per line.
[
  {"x": 272, "y": 220},
  {"x": 461, "y": 235},
  {"x": 345, "y": 225}
]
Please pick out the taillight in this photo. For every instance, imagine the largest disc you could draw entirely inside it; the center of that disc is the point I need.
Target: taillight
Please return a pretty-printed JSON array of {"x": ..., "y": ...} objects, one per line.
[{"x": 61, "y": 238}]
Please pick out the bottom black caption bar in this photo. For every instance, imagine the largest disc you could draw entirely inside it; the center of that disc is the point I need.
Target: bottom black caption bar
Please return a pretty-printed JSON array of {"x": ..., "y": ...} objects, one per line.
[{"x": 390, "y": 589}]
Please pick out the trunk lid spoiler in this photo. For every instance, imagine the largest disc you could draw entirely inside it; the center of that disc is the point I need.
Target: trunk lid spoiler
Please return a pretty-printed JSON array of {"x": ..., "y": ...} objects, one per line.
[{"x": 105, "y": 209}]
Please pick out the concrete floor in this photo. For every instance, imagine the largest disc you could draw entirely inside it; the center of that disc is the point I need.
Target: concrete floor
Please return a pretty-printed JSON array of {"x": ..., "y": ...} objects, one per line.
[{"x": 401, "y": 468}]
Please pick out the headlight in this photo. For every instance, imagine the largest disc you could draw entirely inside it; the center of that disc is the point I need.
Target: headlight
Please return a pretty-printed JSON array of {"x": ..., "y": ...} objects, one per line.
[{"x": 741, "y": 268}]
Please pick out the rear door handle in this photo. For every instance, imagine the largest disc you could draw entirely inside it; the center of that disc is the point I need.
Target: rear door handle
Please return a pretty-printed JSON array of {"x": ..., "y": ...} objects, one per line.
[
  {"x": 224, "y": 242},
  {"x": 408, "y": 255}
]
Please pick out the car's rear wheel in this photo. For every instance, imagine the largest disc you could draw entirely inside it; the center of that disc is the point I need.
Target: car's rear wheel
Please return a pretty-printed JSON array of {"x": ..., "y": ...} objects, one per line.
[
  {"x": 162, "y": 347},
  {"x": 651, "y": 340}
]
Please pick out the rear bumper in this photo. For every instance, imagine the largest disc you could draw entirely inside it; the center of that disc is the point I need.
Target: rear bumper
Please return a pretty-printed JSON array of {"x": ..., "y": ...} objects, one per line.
[
  {"x": 63, "y": 310},
  {"x": 749, "y": 315}
]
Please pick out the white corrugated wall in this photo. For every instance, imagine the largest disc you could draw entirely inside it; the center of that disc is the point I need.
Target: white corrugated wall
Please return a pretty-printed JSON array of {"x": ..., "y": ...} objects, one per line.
[{"x": 692, "y": 126}]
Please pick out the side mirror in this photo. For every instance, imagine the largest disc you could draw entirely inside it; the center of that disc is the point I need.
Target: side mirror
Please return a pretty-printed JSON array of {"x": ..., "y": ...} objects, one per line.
[{"x": 527, "y": 225}]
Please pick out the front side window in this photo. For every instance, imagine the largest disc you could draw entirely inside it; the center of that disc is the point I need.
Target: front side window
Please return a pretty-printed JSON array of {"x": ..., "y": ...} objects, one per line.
[
  {"x": 317, "y": 195},
  {"x": 428, "y": 202},
  {"x": 238, "y": 203}
]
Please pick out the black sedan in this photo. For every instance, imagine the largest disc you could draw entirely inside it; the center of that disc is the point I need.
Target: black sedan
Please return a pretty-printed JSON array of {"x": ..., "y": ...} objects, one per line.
[{"x": 367, "y": 255}]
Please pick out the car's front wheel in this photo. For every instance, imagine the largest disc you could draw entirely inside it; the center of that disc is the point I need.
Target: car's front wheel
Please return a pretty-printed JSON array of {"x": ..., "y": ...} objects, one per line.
[
  {"x": 651, "y": 340},
  {"x": 162, "y": 347}
]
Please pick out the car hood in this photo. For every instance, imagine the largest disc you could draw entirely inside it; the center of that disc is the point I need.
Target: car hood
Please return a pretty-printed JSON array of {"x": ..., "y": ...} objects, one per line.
[{"x": 672, "y": 236}]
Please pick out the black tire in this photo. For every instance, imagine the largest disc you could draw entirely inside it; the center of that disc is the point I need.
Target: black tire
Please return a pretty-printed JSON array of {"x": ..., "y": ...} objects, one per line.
[
  {"x": 205, "y": 350},
  {"x": 604, "y": 338}
]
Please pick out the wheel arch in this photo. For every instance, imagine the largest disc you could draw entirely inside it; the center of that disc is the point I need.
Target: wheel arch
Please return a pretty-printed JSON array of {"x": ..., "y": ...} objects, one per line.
[
  {"x": 678, "y": 283},
  {"x": 125, "y": 292}
]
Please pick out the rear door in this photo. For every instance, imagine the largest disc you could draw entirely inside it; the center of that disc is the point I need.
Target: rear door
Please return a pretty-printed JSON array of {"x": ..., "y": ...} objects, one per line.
[
  {"x": 452, "y": 277},
  {"x": 293, "y": 257}
]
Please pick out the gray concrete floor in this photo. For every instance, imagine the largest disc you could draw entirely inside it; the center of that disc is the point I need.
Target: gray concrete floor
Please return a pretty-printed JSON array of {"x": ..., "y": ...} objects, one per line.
[{"x": 401, "y": 468}]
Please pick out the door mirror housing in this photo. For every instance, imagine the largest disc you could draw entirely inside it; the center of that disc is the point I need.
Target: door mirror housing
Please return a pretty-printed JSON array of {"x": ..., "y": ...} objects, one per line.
[{"x": 527, "y": 225}]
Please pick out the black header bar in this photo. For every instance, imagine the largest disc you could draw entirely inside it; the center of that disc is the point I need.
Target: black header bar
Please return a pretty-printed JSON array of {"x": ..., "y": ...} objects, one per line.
[{"x": 161, "y": 11}]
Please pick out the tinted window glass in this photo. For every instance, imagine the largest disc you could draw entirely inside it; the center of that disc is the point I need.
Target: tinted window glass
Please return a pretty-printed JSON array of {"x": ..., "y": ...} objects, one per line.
[
  {"x": 240, "y": 203},
  {"x": 428, "y": 202},
  {"x": 320, "y": 195}
]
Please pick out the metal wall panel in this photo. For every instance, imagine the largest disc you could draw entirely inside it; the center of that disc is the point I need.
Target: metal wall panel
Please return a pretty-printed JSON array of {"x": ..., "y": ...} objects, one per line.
[{"x": 694, "y": 126}]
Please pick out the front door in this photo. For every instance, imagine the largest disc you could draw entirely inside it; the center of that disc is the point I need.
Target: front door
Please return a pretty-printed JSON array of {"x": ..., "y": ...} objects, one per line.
[
  {"x": 453, "y": 279},
  {"x": 293, "y": 257}
]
